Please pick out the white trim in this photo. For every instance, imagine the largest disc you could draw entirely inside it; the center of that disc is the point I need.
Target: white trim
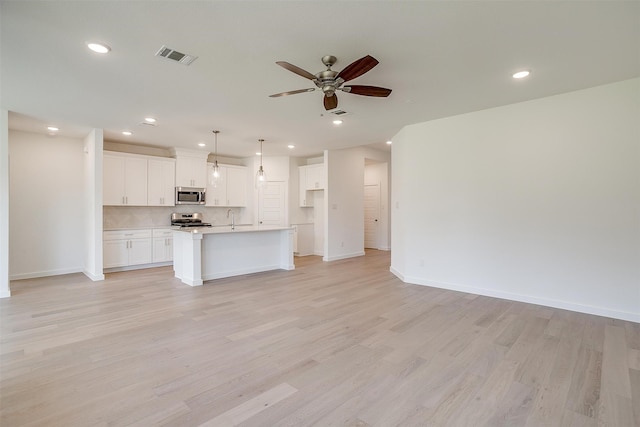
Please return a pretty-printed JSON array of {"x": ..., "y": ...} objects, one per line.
[
  {"x": 345, "y": 256},
  {"x": 565, "y": 305},
  {"x": 397, "y": 273},
  {"x": 36, "y": 274},
  {"x": 191, "y": 282},
  {"x": 95, "y": 278},
  {"x": 5, "y": 294},
  {"x": 384, "y": 248}
]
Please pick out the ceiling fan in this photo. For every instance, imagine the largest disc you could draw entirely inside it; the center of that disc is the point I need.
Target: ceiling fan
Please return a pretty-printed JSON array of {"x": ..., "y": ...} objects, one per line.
[{"x": 330, "y": 81}]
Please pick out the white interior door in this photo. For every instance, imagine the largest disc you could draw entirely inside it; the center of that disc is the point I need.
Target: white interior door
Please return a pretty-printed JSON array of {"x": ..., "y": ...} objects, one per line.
[
  {"x": 371, "y": 215},
  {"x": 272, "y": 204}
]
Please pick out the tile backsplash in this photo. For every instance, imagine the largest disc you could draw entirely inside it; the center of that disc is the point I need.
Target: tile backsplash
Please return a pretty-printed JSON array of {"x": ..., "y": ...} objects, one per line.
[{"x": 150, "y": 216}]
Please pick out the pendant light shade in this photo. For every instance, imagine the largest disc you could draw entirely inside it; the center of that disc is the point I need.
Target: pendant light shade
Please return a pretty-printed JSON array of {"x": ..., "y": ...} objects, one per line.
[
  {"x": 215, "y": 174},
  {"x": 261, "y": 177}
]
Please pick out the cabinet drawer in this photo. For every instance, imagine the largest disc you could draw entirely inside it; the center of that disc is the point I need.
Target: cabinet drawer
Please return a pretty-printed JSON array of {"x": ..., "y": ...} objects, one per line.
[
  {"x": 127, "y": 234},
  {"x": 163, "y": 232}
]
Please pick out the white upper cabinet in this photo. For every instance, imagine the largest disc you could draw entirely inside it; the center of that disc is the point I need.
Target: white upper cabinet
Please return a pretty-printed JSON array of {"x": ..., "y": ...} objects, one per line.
[
  {"x": 191, "y": 168},
  {"x": 161, "y": 182},
  {"x": 312, "y": 177},
  {"x": 191, "y": 172},
  {"x": 230, "y": 189},
  {"x": 124, "y": 180},
  {"x": 305, "y": 199},
  {"x": 315, "y": 179},
  {"x": 236, "y": 186},
  {"x": 216, "y": 190}
]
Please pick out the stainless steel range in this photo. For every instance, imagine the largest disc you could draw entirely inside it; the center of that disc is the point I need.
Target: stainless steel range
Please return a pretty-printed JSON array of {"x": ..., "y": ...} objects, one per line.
[{"x": 186, "y": 220}]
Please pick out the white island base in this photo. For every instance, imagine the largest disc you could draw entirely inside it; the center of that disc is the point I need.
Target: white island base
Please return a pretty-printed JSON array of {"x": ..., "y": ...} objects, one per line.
[{"x": 202, "y": 254}]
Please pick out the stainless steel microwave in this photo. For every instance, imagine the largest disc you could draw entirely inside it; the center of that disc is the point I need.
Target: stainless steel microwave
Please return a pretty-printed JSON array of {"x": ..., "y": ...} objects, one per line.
[{"x": 190, "y": 196}]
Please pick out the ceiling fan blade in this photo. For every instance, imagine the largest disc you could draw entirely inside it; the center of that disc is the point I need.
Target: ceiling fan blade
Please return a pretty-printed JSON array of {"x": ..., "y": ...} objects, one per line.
[
  {"x": 357, "y": 68},
  {"x": 294, "y": 69},
  {"x": 291, "y": 92},
  {"x": 367, "y": 90},
  {"x": 330, "y": 102}
]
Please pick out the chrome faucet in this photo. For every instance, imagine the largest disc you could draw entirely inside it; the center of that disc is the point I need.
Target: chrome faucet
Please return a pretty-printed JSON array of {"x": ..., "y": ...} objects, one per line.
[{"x": 233, "y": 218}]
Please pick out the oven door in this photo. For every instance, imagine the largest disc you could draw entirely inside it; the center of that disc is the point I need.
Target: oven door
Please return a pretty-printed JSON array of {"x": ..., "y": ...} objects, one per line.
[{"x": 190, "y": 196}]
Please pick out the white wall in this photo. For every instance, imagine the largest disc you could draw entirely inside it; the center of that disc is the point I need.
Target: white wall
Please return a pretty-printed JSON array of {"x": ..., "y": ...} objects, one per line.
[
  {"x": 4, "y": 204},
  {"x": 344, "y": 201},
  {"x": 93, "y": 214},
  {"x": 46, "y": 205},
  {"x": 537, "y": 201}
]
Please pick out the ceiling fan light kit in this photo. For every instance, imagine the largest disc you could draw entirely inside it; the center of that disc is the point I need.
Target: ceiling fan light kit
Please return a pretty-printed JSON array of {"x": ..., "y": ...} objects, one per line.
[{"x": 330, "y": 81}]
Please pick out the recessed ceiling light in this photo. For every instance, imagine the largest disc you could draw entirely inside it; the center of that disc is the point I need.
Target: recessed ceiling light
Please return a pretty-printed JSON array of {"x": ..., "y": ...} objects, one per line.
[
  {"x": 53, "y": 128},
  {"x": 201, "y": 144},
  {"x": 149, "y": 120},
  {"x": 127, "y": 132},
  {"x": 258, "y": 153},
  {"x": 337, "y": 122},
  {"x": 521, "y": 74},
  {"x": 291, "y": 146},
  {"x": 99, "y": 47},
  {"x": 389, "y": 142}
]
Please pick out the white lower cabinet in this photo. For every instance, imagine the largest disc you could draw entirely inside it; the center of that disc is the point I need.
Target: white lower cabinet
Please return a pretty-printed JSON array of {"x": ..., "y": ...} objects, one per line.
[
  {"x": 116, "y": 253},
  {"x": 162, "y": 245},
  {"x": 123, "y": 248}
]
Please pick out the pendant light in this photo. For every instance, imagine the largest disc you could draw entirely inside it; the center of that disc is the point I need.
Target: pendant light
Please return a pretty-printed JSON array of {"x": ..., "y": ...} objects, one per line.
[
  {"x": 215, "y": 175},
  {"x": 261, "y": 177}
]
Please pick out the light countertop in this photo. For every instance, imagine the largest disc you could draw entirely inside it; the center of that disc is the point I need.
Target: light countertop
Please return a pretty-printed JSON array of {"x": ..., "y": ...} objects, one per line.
[{"x": 228, "y": 229}]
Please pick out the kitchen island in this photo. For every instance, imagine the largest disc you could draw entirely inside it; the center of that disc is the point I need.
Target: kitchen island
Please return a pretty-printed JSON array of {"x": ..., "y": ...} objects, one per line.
[{"x": 207, "y": 253}]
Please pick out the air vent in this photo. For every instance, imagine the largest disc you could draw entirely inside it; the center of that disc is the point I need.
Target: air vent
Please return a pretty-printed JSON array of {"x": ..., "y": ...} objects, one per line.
[
  {"x": 174, "y": 55},
  {"x": 338, "y": 112}
]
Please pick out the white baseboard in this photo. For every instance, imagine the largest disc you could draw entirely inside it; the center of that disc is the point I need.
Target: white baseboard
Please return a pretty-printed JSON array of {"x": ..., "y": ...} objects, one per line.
[
  {"x": 94, "y": 277},
  {"x": 36, "y": 274},
  {"x": 5, "y": 294},
  {"x": 598, "y": 311},
  {"x": 344, "y": 256},
  {"x": 397, "y": 273}
]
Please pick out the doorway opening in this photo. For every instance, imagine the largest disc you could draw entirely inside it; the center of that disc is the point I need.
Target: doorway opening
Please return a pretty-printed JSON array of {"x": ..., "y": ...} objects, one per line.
[{"x": 376, "y": 205}]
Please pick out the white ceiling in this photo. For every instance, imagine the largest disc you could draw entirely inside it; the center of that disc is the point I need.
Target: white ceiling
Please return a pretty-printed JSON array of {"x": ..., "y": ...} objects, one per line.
[{"x": 441, "y": 58}]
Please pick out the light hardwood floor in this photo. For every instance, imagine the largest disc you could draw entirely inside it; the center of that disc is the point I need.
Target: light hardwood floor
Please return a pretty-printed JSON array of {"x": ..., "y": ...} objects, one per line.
[{"x": 340, "y": 343}]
